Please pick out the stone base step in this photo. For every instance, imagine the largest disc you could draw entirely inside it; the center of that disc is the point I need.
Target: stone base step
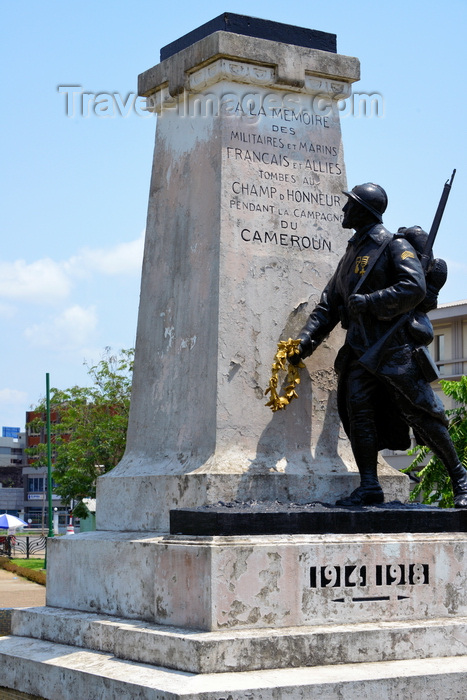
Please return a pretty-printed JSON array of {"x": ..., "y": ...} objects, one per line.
[
  {"x": 244, "y": 650},
  {"x": 59, "y": 672}
]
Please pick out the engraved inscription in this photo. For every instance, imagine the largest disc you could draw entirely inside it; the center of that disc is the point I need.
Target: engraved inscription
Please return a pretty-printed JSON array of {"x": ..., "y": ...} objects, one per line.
[
  {"x": 351, "y": 576},
  {"x": 285, "y": 171},
  {"x": 401, "y": 574}
]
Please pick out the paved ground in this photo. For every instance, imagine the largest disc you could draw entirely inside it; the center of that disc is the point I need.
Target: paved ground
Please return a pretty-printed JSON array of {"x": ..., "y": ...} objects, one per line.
[{"x": 18, "y": 592}]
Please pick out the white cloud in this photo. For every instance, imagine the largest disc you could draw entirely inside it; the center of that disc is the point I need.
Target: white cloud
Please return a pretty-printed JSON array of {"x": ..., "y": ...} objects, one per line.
[
  {"x": 122, "y": 259},
  {"x": 70, "y": 329},
  {"x": 12, "y": 396},
  {"x": 40, "y": 281},
  {"x": 46, "y": 281}
]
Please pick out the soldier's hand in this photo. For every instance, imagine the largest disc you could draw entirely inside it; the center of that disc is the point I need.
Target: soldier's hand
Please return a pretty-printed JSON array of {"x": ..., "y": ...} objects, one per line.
[
  {"x": 296, "y": 358},
  {"x": 358, "y": 304},
  {"x": 305, "y": 349}
]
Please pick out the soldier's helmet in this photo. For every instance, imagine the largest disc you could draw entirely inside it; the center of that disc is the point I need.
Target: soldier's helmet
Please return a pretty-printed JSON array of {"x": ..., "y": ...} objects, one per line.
[{"x": 370, "y": 196}]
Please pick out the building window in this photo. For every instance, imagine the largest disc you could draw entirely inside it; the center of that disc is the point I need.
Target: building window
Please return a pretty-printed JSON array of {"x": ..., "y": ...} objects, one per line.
[
  {"x": 439, "y": 351},
  {"x": 36, "y": 484}
]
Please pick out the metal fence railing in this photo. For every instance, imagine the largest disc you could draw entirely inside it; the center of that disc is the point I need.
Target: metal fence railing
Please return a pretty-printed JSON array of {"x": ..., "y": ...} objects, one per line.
[{"x": 28, "y": 546}]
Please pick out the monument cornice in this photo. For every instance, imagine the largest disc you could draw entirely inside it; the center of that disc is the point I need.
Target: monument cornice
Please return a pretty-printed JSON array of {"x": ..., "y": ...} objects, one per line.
[
  {"x": 291, "y": 65},
  {"x": 246, "y": 73}
]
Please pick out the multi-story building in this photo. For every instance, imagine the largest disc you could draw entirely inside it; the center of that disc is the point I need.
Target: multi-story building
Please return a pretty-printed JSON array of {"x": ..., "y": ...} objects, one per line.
[
  {"x": 449, "y": 351},
  {"x": 12, "y": 461},
  {"x": 12, "y": 457},
  {"x": 35, "y": 478},
  {"x": 449, "y": 348}
]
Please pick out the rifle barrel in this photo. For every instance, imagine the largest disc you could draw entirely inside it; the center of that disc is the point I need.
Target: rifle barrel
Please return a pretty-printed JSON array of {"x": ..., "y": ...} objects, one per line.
[{"x": 438, "y": 216}]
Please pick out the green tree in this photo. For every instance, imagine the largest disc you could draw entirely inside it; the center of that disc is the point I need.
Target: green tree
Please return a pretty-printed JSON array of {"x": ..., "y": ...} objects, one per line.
[
  {"x": 89, "y": 431},
  {"x": 435, "y": 485}
]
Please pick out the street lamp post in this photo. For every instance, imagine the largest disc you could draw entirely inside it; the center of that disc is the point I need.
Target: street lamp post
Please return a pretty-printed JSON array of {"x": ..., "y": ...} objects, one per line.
[{"x": 49, "y": 464}]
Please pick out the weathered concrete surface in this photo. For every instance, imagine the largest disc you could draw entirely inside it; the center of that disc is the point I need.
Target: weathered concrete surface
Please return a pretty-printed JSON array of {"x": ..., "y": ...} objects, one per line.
[
  {"x": 245, "y": 650},
  {"x": 103, "y": 572},
  {"x": 59, "y": 672},
  {"x": 209, "y": 583},
  {"x": 243, "y": 232},
  {"x": 304, "y": 580}
]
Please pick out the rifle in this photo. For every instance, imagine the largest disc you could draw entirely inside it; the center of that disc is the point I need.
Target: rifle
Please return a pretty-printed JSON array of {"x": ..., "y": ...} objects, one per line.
[{"x": 372, "y": 357}]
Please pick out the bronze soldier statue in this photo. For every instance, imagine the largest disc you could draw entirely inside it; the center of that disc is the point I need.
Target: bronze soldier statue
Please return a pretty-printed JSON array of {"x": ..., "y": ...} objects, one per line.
[{"x": 378, "y": 282}]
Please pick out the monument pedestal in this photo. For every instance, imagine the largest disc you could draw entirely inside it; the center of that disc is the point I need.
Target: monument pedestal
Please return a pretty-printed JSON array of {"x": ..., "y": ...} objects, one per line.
[
  {"x": 244, "y": 230},
  {"x": 254, "y": 617}
]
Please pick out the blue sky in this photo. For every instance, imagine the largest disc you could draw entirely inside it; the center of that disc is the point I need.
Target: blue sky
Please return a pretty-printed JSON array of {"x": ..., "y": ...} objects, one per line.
[{"x": 74, "y": 189}]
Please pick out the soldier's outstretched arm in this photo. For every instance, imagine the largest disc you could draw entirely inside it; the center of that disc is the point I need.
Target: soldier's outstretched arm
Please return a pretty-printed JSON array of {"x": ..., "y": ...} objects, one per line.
[{"x": 321, "y": 321}]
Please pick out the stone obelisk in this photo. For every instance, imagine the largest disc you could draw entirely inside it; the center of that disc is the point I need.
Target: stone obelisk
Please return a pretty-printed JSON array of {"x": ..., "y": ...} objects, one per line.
[{"x": 243, "y": 231}]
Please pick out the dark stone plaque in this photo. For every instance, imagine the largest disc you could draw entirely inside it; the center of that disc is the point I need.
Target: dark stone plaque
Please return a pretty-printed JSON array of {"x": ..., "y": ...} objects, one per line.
[
  {"x": 259, "y": 28},
  {"x": 315, "y": 518}
]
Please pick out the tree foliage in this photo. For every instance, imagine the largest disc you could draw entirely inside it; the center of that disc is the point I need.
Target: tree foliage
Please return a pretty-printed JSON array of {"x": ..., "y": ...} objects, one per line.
[
  {"x": 89, "y": 433},
  {"x": 435, "y": 485}
]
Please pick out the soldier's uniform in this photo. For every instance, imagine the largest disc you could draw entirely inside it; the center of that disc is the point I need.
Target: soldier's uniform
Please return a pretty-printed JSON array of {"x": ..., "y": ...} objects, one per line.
[{"x": 377, "y": 407}]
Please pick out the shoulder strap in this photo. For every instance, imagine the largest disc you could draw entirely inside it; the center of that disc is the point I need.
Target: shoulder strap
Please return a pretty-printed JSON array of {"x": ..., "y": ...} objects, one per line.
[{"x": 372, "y": 263}]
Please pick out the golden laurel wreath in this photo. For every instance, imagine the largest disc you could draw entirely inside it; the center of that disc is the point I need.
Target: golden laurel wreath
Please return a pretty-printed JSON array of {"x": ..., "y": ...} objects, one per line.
[{"x": 285, "y": 350}]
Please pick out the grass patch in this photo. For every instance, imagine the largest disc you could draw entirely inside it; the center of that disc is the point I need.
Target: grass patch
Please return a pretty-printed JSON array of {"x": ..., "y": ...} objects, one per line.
[
  {"x": 31, "y": 574},
  {"x": 34, "y": 564}
]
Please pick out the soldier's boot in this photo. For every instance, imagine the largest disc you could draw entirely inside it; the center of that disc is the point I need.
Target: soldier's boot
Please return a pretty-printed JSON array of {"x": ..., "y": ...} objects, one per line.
[
  {"x": 368, "y": 493},
  {"x": 458, "y": 476},
  {"x": 364, "y": 442}
]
